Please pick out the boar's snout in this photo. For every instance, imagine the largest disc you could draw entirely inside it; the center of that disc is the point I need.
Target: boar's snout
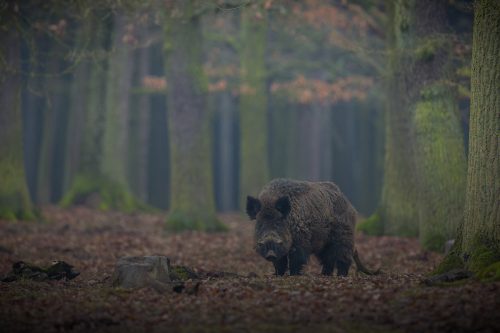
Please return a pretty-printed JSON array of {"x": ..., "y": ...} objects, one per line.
[
  {"x": 271, "y": 255},
  {"x": 271, "y": 250}
]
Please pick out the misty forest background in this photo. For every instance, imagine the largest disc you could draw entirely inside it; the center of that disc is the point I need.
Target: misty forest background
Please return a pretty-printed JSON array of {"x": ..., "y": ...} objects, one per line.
[
  {"x": 125, "y": 121},
  {"x": 188, "y": 106}
]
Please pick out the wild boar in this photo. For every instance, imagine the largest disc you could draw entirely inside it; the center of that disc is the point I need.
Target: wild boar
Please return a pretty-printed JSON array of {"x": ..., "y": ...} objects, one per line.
[{"x": 296, "y": 219}]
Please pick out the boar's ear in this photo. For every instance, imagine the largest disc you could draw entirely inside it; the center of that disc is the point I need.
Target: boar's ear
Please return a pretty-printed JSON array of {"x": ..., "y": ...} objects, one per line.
[
  {"x": 283, "y": 205},
  {"x": 253, "y": 207}
]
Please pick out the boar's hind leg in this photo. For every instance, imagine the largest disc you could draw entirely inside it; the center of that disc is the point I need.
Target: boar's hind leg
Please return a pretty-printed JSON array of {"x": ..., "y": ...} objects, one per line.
[
  {"x": 343, "y": 243},
  {"x": 298, "y": 258},
  {"x": 343, "y": 256},
  {"x": 281, "y": 265},
  {"x": 327, "y": 259},
  {"x": 343, "y": 268}
]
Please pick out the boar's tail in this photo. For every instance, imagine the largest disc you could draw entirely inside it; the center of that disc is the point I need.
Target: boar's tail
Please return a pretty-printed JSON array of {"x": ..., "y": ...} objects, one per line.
[{"x": 361, "y": 267}]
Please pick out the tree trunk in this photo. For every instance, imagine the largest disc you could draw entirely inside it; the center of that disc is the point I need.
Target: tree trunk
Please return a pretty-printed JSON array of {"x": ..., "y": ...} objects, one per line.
[
  {"x": 87, "y": 180},
  {"x": 425, "y": 160},
  {"x": 118, "y": 83},
  {"x": 101, "y": 180},
  {"x": 481, "y": 231},
  {"x": 140, "y": 116},
  {"x": 226, "y": 172},
  {"x": 399, "y": 194},
  {"x": 192, "y": 193},
  {"x": 15, "y": 202},
  {"x": 55, "y": 113},
  {"x": 254, "y": 164},
  {"x": 77, "y": 107},
  {"x": 440, "y": 161}
]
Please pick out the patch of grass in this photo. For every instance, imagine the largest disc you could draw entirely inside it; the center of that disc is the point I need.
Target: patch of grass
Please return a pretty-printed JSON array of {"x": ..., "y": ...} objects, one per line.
[
  {"x": 451, "y": 261},
  {"x": 179, "y": 221},
  {"x": 372, "y": 226},
  {"x": 482, "y": 257},
  {"x": 490, "y": 273}
]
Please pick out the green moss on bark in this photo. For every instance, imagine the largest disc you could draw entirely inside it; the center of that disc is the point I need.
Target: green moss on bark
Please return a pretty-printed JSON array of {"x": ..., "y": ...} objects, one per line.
[
  {"x": 483, "y": 257},
  {"x": 440, "y": 165},
  {"x": 15, "y": 202},
  {"x": 101, "y": 193},
  {"x": 450, "y": 262},
  {"x": 192, "y": 194}
]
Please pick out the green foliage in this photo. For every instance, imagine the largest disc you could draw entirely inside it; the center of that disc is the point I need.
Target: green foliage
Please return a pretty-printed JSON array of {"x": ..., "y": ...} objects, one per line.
[
  {"x": 18, "y": 214},
  {"x": 180, "y": 221},
  {"x": 372, "y": 226},
  {"x": 103, "y": 192},
  {"x": 15, "y": 201}
]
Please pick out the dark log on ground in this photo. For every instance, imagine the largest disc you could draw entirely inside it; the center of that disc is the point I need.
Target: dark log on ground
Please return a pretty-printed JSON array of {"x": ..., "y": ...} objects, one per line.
[
  {"x": 57, "y": 271},
  {"x": 451, "y": 276}
]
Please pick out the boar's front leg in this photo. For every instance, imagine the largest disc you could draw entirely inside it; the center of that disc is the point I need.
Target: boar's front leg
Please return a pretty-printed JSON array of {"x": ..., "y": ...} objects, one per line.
[
  {"x": 298, "y": 258},
  {"x": 281, "y": 265}
]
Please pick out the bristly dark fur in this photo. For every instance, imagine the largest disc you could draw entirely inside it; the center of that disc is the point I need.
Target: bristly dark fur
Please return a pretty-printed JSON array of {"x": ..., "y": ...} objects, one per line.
[{"x": 297, "y": 219}]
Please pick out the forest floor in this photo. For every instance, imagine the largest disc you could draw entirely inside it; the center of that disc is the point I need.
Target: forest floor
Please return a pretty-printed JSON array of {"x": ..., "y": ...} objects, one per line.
[{"x": 252, "y": 301}]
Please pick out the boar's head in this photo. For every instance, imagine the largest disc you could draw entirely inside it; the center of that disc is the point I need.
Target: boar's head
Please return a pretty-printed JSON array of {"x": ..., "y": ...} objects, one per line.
[{"x": 272, "y": 233}]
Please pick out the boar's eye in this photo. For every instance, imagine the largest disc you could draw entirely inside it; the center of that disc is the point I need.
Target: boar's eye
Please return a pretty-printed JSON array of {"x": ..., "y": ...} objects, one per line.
[{"x": 283, "y": 205}]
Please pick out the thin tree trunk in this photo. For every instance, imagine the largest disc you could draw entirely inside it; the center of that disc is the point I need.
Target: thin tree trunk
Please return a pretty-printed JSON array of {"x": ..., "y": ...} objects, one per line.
[
  {"x": 140, "y": 126},
  {"x": 225, "y": 165}
]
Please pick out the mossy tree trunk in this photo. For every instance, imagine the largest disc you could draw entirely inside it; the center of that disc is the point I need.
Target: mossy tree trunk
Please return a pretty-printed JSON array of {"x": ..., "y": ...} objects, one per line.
[
  {"x": 481, "y": 230},
  {"x": 424, "y": 174},
  {"x": 254, "y": 164},
  {"x": 118, "y": 83},
  {"x": 87, "y": 178},
  {"x": 192, "y": 204},
  {"x": 77, "y": 106},
  {"x": 101, "y": 179},
  {"x": 397, "y": 211},
  {"x": 440, "y": 160},
  {"x": 15, "y": 202}
]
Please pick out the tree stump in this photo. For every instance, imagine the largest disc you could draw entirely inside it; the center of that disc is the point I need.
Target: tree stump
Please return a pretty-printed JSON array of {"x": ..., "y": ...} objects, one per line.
[{"x": 139, "y": 272}]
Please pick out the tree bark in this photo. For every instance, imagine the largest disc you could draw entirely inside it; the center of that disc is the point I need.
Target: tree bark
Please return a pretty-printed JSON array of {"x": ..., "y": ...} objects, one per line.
[
  {"x": 398, "y": 211},
  {"x": 78, "y": 106},
  {"x": 118, "y": 83},
  {"x": 425, "y": 156},
  {"x": 15, "y": 202},
  {"x": 254, "y": 163},
  {"x": 440, "y": 160},
  {"x": 140, "y": 116},
  {"x": 192, "y": 193},
  {"x": 481, "y": 231}
]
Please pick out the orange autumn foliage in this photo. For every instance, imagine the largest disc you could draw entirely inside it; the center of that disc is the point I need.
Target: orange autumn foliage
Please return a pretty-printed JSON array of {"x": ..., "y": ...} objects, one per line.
[{"x": 306, "y": 91}]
